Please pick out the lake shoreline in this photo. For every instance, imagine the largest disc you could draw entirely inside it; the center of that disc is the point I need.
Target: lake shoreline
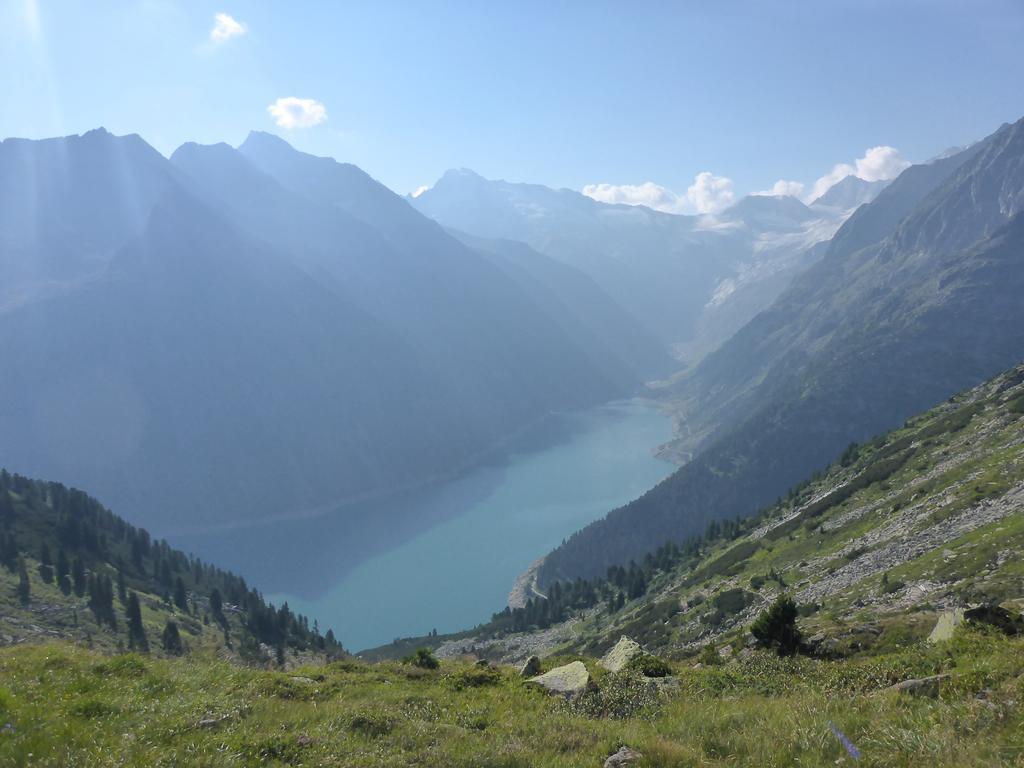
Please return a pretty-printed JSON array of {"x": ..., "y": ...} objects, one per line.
[{"x": 470, "y": 538}]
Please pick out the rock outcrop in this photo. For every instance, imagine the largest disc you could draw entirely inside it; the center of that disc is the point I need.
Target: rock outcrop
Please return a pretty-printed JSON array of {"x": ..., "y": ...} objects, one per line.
[
  {"x": 924, "y": 686},
  {"x": 946, "y": 625},
  {"x": 568, "y": 681},
  {"x": 620, "y": 655},
  {"x": 531, "y": 667},
  {"x": 623, "y": 757}
]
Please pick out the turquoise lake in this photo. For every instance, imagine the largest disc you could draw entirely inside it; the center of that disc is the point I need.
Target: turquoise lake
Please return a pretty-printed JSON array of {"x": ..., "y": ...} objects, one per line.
[{"x": 490, "y": 524}]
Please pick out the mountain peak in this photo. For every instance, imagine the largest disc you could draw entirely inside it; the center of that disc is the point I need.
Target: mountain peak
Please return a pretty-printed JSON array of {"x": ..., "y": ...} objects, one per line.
[
  {"x": 770, "y": 209},
  {"x": 850, "y": 192},
  {"x": 460, "y": 177},
  {"x": 465, "y": 173},
  {"x": 190, "y": 147},
  {"x": 266, "y": 141}
]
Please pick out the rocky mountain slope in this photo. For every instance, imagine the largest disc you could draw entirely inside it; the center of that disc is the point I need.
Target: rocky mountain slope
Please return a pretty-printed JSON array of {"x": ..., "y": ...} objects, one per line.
[
  {"x": 67, "y": 205},
  {"x": 924, "y": 519},
  {"x": 874, "y": 332}
]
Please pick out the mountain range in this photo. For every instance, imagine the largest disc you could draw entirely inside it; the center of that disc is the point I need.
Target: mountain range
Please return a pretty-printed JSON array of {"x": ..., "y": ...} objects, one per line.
[
  {"x": 232, "y": 335},
  {"x": 916, "y": 297},
  {"x": 691, "y": 280},
  {"x": 236, "y": 336}
]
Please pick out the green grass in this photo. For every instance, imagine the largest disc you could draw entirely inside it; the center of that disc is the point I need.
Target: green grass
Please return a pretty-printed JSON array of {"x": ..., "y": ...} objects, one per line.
[{"x": 69, "y": 706}]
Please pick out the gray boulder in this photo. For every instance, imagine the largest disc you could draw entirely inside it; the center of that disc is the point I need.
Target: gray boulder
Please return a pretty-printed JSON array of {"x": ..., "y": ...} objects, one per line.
[
  {"x": 923, "y": 686},
  {"x": 623, "y": 757},
  {"x": 568, "y": 681},
  {"x": 946, "y": 625},
  {"x": 621, "y": 654},
  {"x": 531, "y": 667}
]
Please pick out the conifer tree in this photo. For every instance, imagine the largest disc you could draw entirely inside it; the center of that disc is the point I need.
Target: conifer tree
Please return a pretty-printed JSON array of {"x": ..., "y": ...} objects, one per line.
[
  {"x": 6, "y": 506},
  {"x": 122, "y": 590},
  {"x": 78, "y": 579},
  {"x": 63, "y": 572},
  {"x": 24, "y": 586},
  {"x": 171, "y": 639},
  {"x": 9, "y": 552},
  {"x": 45, "y": 565},
  {"x": 180, "y": 595},
  {"x": 136, "y": 631},
  {"x": 101, "y": 599},
  {"x": 217, "y": 605},
  {"x": 108, "y": 601},
  {"x": 776, "y": 627}
]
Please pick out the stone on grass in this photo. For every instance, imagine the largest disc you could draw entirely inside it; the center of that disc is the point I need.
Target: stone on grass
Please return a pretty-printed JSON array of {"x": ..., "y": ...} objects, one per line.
[
  {"x": 568, "y": 681},
  {"x": 623, "y": 757},
  {"x": 531, "y": 667},
  {"x": 620, "y": 655},
  {"x": 946, "y": 625},
  {"x": 923, "y": 686}
]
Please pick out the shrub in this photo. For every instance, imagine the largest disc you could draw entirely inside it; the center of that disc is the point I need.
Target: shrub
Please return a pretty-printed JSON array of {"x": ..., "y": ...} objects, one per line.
[
  {"x": 808, "y": 609},
  {"x": 93, "y": 708},
  {"x": 371, "y": 724},
  {"x": 472, "y": 721},
  {"x": 649, "y": 666},
  {"x": 776, "y": 628},
  {"x": 422, "y": 658},
  {"x": 709, "y": 656},
  {"x": 888, "y": 587},
  {"x": 125, "y": 665},
  {"x": 732, "y": 601},
  {"x": 850, "y": 455},
  {"x": 477, "y": 677},
  {"x": 621, "y": 696},
  {"x": 285, "y": 750},
  {"x": 854, "y": 553}
]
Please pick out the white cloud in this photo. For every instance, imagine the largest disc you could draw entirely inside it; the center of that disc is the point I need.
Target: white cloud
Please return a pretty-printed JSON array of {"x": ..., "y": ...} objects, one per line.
[
  {"x": 292, "y": 112},
  {"x": 420, "y": 190},
  {"x": 710, "y": 193},
  {"x": 707, "y": 194},
  {"x": 225, "y": 27},
  {"x": 32, "y": 18},
  {"x": 881, "y": 164},
  {"x": 877, "y": 164},
  {"x": 650, "y": 194},
  {"x": 783, "y": 188}
]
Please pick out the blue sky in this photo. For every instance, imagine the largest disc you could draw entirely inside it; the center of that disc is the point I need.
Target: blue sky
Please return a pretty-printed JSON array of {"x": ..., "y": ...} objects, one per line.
[{"x": 561, "y": 93}]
